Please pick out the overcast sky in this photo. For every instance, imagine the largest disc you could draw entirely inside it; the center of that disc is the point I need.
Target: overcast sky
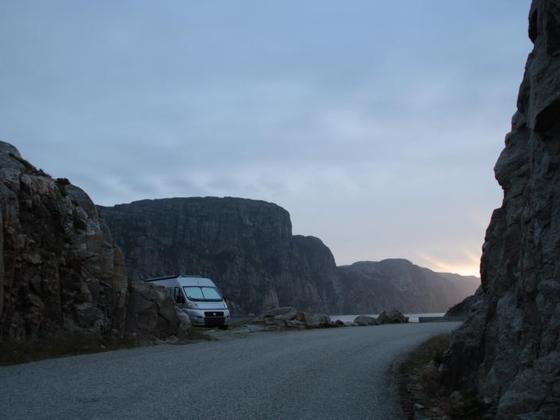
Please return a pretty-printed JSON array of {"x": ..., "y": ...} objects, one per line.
[{"x": 376, "y": 124}]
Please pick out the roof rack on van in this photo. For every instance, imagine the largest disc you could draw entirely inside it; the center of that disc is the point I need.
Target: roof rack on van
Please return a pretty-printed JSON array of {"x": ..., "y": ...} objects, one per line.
[
  {"x": 173, "y": 276},
  {"x": 162, "y": 277}
]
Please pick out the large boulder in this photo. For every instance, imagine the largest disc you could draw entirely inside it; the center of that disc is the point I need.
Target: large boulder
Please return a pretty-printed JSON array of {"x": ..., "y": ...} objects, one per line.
[
  {"x": 364, "y": 320},
  {"x": 152, "y": 313},
  {"x": 281, "y": 314},
  {"x": 314, "y": 320},
  {"x": 185, "y": 326},
  {"x": 392, "y": 317}
]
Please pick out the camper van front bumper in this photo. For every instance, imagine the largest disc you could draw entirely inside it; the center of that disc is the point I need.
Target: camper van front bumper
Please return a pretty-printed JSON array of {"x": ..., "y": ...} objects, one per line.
[{"x": 209, "y": 318}]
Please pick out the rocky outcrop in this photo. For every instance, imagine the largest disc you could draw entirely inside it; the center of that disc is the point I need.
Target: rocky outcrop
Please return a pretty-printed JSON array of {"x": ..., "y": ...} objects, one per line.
[
  {"x": 372, "y": 287},
  {"x": 508, "y": 350},
  {"x": 246, "y": 246},
  {"x": 59, "y": 273}
]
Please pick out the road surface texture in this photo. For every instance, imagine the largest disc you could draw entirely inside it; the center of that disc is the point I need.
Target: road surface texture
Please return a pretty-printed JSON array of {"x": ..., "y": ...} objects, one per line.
[{"x": 340, "y": 373}]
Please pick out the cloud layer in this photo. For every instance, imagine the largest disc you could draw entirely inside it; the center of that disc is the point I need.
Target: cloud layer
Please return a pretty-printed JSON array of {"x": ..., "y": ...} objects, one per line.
[{"x": 376, "y": 124}]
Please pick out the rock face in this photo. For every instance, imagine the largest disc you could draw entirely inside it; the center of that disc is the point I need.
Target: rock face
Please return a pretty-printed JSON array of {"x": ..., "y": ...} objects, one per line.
[
  {"x": 58, "y": 271},
  {"x": 246, "y": 246},
  {"x": 508, "y": 350},
  {"x": 372, "y": 287}
]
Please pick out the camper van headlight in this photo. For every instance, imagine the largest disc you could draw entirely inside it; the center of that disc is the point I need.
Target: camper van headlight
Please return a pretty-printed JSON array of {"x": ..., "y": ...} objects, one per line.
[{"x": 192, "y": 305}]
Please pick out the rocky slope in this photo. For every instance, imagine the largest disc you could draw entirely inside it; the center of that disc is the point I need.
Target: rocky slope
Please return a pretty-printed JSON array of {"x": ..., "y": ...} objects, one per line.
[
  {"x": 247, "y": 247},
  {"x": 60, "y": 273},
  {"x": 508, "y": 351},
  {"x": 371, "y": 287}
]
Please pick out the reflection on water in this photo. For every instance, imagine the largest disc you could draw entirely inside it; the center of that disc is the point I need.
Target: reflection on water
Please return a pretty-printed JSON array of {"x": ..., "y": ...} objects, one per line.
[{"x": 411, "y": 317}]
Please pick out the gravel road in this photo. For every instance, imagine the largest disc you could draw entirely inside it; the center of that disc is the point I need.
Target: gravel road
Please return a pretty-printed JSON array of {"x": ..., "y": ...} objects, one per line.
[{"x": 338, "y": 373}]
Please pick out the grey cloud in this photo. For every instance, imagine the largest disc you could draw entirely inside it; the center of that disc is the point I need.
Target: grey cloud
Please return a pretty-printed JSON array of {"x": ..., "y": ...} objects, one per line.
[{"x": 375, "y": 123}]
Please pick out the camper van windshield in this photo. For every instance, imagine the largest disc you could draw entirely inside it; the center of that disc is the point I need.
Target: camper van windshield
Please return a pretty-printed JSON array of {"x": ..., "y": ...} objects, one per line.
[{"x": 203, "y": 293}]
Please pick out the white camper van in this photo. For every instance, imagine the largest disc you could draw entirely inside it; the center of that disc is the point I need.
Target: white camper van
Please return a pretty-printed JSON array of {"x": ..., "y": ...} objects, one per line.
[{"x": 198, "y": 297}]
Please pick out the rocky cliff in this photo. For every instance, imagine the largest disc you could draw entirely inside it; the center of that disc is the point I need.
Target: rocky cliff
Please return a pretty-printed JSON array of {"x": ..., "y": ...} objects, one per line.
[
  {"x": 508, "y": 351},
  {"x": 248, "y": 248},
  {"x": 245, "y": 245},
  {"x": 60, "y": 273},
  {"x": 371, "y": 287}
]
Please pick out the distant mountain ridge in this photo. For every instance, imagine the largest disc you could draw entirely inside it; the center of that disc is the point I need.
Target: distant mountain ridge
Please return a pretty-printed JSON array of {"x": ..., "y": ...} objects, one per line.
[
  {"x": 373, "y": 286},
  {"x": 247, "y": 246}
]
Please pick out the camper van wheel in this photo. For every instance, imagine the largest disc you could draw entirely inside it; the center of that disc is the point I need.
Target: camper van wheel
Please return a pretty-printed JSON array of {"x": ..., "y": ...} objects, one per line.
[{"x": 224, "y": 327}]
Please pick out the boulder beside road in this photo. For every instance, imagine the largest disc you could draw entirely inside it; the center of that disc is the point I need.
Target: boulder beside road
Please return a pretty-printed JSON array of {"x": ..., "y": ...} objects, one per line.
[
  {"x": 151, "y": 312},
  {"x": 390, "y": 317},
  {"x": 289, "y": 317},
  {"x": 364, "y": 320}
]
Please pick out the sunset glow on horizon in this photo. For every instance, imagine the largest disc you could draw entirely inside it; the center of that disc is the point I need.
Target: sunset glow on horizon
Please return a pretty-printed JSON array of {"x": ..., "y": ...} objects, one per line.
[{"x": 469, "y": 265}]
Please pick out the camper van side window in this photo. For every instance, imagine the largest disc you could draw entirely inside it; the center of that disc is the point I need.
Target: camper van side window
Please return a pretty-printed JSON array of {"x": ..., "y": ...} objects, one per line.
[{"x": 179, "y": 298}]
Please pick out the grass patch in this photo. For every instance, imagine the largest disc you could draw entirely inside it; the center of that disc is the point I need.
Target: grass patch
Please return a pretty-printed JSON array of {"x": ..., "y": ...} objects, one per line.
[
  {"x": 11, "y": 354},
  {"x": 63, "y": 346},
  {"x": 421, "y": 391}
]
